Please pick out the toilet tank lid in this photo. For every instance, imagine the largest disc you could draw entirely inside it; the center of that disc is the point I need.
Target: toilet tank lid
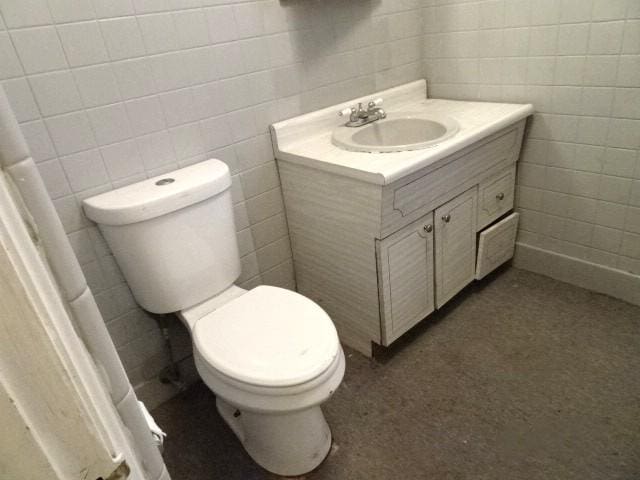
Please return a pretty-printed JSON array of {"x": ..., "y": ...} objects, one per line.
[{"x": 159, "y": 195}]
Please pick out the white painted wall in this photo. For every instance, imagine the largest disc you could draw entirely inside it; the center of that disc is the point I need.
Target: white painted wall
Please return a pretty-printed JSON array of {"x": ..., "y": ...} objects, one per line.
[
  {"x": 108, "y": 92},
  {"x": 578, "y": 62}
]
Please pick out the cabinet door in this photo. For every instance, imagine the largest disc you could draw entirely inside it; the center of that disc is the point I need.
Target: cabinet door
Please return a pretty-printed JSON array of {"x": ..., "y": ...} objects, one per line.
[
  {"x": 405, "y": 274},
  {"x": 455, "y": 238}
]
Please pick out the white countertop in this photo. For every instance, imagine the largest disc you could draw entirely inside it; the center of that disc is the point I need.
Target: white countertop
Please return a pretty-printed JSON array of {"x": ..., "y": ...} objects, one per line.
[{"x": 306, "y": 139}]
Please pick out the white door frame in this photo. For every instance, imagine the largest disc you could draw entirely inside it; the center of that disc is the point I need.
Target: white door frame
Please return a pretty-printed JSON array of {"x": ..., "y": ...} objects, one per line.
[{"x": 57, "y": 417}]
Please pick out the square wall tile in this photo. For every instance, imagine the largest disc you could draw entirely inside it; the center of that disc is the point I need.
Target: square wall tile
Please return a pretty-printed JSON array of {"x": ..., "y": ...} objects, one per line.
[
  {"x": 624, "y": 133},
  {"x": 122, "y": 159},
  {"x": 187, "y": 140},
  {"x": 55, "y": 92},
  {"x": 222, "y": 24},
  {"x": 629, "y": 71},
  {"x": 170, "y": 71},
  {"x": 605, "y": 38},
  {"x": 607, "y": 239},
  {"x": 631, "y": 42},
  {"x": 54, "y": 178},
  {"x": 21, "y": 99},
  {"x": 158, "y": 32},
  {"x": 619, "y": 162},
  {"x": 610, "y": 215},
  {"x": 122, "y": 37},
  {"x": 110, "y": 124},
  {"x": 609, "y": 9},
  {"x": 83, "y": 43},
  {"x": 113, "y": 8},
  {"x": 178, "y": 107},
  {"x": 39, "y": 141},
  {"x": 575, "y": 11},
  {"x": 614, "y": 189},
  {"x": 85, "y": 170},
  {"x": 156, "y": 150},
  {"x": 192, "y": 29},
  {"x": 249, "y": 19},
  {"x": 25, "y": 13},
  {"x": 135, "y": 78},
  {"x": 145, "y": 115},
  {"x": 573, "y": 39},
  {"x": 150, "y": 6},
  {"x": 9, "y": 64},
  {"x": 632, "y": 223},
  {"x": 39, "y": 49},
  {"x": 97, "y": 85},
  {"x": 216, "y": 133},
  {"x": 64, "y": 11},
  {"x": 627, "y": 103},
  {"x": 71, "y": 132}
]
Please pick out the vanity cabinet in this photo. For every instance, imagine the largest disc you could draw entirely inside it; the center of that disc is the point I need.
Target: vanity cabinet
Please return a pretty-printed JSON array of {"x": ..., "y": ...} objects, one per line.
[{"x": 381, "y": 258}]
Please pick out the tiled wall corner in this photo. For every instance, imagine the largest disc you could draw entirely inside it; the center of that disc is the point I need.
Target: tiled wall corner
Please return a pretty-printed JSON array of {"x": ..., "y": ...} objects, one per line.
[{"x": 578, "y": 62}]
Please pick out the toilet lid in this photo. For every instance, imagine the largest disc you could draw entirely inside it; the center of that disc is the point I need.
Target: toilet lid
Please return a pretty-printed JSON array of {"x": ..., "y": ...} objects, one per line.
[{"x": 268, "y": 337}]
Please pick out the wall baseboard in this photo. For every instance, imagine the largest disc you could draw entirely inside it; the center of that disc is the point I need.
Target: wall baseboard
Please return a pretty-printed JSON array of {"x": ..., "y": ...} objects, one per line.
[{"x": 601, "y": 279}]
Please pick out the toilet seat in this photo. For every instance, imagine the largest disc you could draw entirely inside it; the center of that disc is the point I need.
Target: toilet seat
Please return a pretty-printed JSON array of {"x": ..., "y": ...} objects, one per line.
[{"x": 268, "y": 337}]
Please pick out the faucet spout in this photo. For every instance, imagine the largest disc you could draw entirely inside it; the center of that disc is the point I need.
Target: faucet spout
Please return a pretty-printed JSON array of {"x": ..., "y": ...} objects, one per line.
[{"x": 358, "y": 116}]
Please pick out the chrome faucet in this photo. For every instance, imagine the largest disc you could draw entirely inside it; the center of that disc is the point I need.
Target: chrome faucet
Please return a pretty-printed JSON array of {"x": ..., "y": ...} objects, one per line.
[{"x": 358, "y": 116}]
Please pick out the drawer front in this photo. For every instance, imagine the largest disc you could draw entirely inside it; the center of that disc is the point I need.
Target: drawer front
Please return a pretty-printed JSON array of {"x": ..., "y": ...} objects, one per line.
[
  {"x": 496, "y": 196},
  {"x": 496, "y": 245}
]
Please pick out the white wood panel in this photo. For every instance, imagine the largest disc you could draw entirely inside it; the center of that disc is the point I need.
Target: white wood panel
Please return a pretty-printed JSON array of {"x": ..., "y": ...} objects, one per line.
[
  {"x": 495, "y": 196},
  {"x": 455, "y": 245},
  {"x": 405, "y": 269},
  {"x": 333, "y": 222}
]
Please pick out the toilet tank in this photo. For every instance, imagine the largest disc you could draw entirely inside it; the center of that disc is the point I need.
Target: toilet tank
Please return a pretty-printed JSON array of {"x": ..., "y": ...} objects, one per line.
[{"x": 173, "y": 236}]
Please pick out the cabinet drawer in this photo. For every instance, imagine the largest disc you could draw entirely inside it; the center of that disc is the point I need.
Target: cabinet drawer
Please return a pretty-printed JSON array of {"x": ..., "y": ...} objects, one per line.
[
  {"x": 496, "y": 245},
  {"x": 496, "y": 196}
]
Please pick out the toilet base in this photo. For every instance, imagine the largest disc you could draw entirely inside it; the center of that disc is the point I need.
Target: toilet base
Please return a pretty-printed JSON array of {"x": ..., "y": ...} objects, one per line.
[{"x": 286, "y": 444}]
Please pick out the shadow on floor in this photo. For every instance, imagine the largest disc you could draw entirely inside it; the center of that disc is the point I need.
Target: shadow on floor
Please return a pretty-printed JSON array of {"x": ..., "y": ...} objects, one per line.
[{"x": 521, "y": 377}]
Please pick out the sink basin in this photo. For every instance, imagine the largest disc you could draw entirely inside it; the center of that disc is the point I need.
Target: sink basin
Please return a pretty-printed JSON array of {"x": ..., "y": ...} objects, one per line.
[{"x": 396, "y": 133}]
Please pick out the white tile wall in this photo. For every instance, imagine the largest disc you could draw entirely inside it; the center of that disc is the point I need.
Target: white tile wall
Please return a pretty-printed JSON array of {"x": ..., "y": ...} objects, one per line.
[
  {"x": 578, "y": 62},
  {"x": 109, "y": 92}
]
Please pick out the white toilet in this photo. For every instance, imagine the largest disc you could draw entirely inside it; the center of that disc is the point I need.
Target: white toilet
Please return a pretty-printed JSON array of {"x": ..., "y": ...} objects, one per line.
[{"x": 270, "y": 355}]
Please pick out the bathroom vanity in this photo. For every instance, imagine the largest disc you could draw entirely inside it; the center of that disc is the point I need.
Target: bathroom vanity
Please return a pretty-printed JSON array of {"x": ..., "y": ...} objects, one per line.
[{"x": 381, "y": 240}]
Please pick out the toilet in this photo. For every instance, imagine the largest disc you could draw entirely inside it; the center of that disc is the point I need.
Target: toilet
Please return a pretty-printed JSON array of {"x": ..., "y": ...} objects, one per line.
[{"x": 271, "y": 356}]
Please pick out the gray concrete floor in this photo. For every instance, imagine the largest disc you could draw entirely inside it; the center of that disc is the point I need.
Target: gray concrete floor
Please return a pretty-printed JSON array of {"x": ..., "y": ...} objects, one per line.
[{"x": 520, "y": 377}]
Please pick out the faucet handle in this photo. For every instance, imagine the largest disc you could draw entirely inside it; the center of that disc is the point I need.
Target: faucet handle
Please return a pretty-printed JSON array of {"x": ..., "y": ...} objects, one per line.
[
  {"x": 375, "y": 103},
  {"x": 347, "y": 111}
]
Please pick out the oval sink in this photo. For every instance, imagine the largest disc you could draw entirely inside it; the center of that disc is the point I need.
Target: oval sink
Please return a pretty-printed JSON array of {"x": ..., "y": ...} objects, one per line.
[{"x": 396, "y": 133}]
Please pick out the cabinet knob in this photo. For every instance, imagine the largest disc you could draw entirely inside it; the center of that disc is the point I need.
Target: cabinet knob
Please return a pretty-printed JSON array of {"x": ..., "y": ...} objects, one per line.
[
  {"x": 428, "y": 228},
  {"x": 500, "y": 196},
  {"x": 446, "y": 218}
]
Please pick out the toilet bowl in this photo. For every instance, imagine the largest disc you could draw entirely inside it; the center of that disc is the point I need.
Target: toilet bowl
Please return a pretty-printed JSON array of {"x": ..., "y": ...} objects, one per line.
[
  {"x": 269, "y": 384},
  {"x": 271, "y": 356}
]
